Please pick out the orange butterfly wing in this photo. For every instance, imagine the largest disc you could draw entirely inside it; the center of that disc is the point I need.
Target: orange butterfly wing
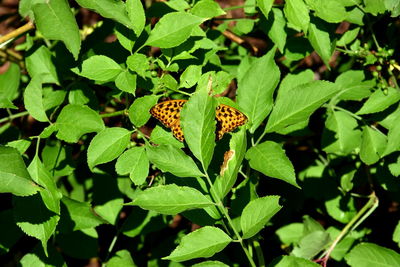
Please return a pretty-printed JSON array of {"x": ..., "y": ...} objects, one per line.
[
  {"x": 228, "y": 119},
  {"x": 168, "y": 112}
]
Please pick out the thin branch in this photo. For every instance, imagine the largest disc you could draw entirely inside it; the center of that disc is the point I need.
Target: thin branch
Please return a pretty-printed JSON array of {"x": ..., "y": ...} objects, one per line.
[
  {"x": 222, "y": 209},
  {"x": 17, "y": 32},
  {"x": 364, "y": 212},
  {"x": 14, "y": 116}
]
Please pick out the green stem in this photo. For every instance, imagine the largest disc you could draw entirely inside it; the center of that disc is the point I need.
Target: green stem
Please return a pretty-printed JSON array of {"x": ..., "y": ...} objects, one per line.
[
  {"x": 237, "y": 7},
  {"x": 260, "y": 138},
  {"x": 348, "y": 112},
  {"x": 363, "y": 213},
  {"x": 222, "y": 209},
  {"x": 345, "y": 51},
  {"x": 182, "y": 92},
  {"x": 260, "y": 256},
  {"x": 37, "y": 146},
  {"x": 111, "y": 247},
  {"x": 145, "y": 137},
  {"x": 15, "y": 33},
  {"x": 114, "y": 114},
  {"x": 228, "y": 19},
  {"x": 373, "y": 34},
  {"x": 14, "y": 116}
]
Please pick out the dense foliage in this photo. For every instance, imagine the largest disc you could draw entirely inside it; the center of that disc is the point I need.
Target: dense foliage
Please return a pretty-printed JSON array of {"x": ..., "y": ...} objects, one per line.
[{"x": 88, "y": 177}]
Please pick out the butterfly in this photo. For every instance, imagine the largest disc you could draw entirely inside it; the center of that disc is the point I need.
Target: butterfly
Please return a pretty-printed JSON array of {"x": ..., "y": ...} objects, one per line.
[{"x": 168, "y": 113}]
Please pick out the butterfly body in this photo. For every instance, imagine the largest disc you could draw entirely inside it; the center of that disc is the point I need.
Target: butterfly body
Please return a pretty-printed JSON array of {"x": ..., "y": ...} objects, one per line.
[{"x": 168, "y": 113}]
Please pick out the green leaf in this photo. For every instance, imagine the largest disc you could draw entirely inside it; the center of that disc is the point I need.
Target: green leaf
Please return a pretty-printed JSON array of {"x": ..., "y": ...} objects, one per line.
[
  {"x": 220, "y": 81},
  {"x": 270, "y": 159},
  {"x": 50, "y": 195},
  {"x": 379, "y": 101},
  {"x": 21, "y": 145},
  {"x": 126, "y": 37},
  {"x": 115, "y": 10},
  {"x": 297, "y": 15},
  {"x": 356, "y": 16},
  {"x": 349, "y": 2},
  {"x": 33, "y": 99},
  {"x": 139, "y": 111},
  {"x": 210, "y": 264},
  {"x": 138, "y": 63},
  {"x": 311, "y": 244},
  {"x": 107, "y": 145},
  {"x": 290, "y": 234},
  {"x": 198, "y": 125},
  {"x": 15, "y": 178},
  {"x": 167, "y": 157},
  {"x": 396, "y": 234},
  {"x": 136, "y": 15},
  {"x": 48, "y": 131},
  {"x": 276, "y": 28},
  {"x": 173, "y": 29},
  {"x": 353, "y": 85},
  {"x": 394, "y": 168},
  {"x": 369, "y": 254},
  {"x": 299, "y": 103},
  {"x": 99, "y": 68},
  {"x": 292, "y": 81},
  {"x": 244, "y": 26},
  {"x": 256, "y": 89},
  {"x": 80, "y": 216},
  {"x": 135, "y": 163},
  {"x": 34, "y": 219},
  {"x": 160, "y": 136},
  {"x": 179, "y": 5},
  {"x": 53, "y": 98},
  {"x": 57, "y": 158},
  {"x": 207, "y": 9},
  {"x": 190, "y": 76},
  {"x": 290, "y": 261},
  {"x": 311, "y": 225},
  {"x": 340, "y": 135},
  {"x": 265, "y": 6},
  {"x": 320, "y": 41},
  {"x": 169, "y": 82},
  {"x": 374, "y": 7},
  {"x": 373, "y": 145},
  {"x": 122, "y": 257},
  {"x": 40, "y": 63},
  {"x": 9, "y": 84},
  {"x": 171, "y": 199},
  {"x": 202, "y": 243},
  {"x": 75, "y": 121},
  {"x": 332, "y": 11},
  {"x": 393, "y": 137},
  {"x": 110, "y": 210},
  {"x": 348, "y": 37},
  {"x": 139, "y": 221},
  {"x": 257, "y": 213},
  {"x": 341, "y": 208},
  {"x": 81, "y": 94},
  {"x": 126, "y": 82},
  {"x": 344, "y": 246},
  {"x": 37, "y": 257},
  {"x": 55, "y": 20},
  {"x": 232, "y": 162}
]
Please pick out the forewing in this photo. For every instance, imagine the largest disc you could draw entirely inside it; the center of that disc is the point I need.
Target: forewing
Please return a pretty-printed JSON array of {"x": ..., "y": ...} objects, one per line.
[
  {"x": 168, "y": 113},
  {"x": 228, "y": 119}
]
